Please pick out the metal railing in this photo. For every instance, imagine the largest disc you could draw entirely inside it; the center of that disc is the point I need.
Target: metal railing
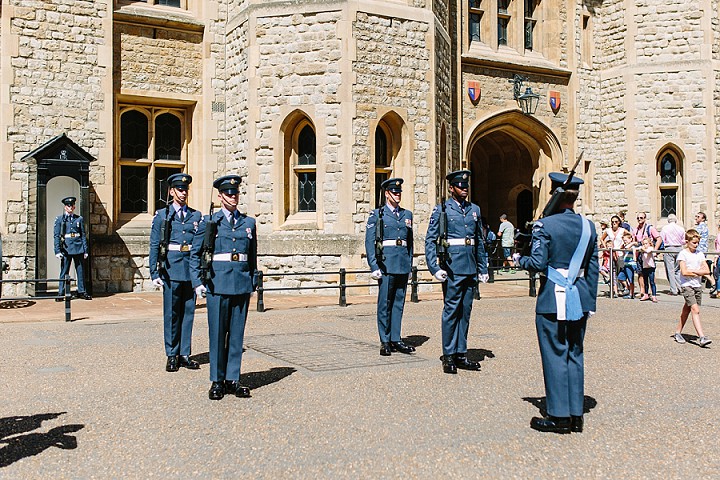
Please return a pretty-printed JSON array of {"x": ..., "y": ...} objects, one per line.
[
  {"x": 342, "y": 284},
  {"x": 613, "y": 273},
  {"x": 67, "y": 297}
]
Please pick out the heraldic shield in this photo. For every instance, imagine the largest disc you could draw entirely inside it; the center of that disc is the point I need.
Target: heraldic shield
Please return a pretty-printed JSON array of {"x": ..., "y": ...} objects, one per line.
[
  {"x": 554, "y": 100},
  {"x": 474, "y": 91}
]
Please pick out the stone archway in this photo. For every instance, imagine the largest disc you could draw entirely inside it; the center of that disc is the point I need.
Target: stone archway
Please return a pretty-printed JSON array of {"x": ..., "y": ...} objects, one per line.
[{"x": 510, "y": 155}]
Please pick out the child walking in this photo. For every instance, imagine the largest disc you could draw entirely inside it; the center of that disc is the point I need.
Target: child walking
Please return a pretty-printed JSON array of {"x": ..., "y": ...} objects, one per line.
[
  {"x": 648, "y": 270},
  {"x": 692, "y": 268}
]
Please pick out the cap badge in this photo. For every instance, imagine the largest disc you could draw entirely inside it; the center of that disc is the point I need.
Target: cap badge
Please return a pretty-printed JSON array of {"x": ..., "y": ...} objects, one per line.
[
  {"x": 184, "y": 179},
  {"x": 397, "y": 182},
  {"x": 233, "y": 181},
  {"x": 464, "y": 176}
]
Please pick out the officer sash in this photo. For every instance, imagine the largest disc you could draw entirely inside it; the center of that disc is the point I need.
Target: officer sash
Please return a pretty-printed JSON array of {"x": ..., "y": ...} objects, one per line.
[{"x": 567, "y": 296}]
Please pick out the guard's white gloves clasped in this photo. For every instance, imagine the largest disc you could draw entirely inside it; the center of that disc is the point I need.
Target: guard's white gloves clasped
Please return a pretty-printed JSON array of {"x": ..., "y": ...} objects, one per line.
[
  {"x": 515, "y": 257},
  {"x": 201, "y": 291},
  {"x": 59, "y": 255},
  {"x": 85, "y": 255},
  {"x": 376, "y": 275},
  {"x": 483, "y": 277},
  {"x": 441, "y": 275},
  {"x": 158, "y": 282}
]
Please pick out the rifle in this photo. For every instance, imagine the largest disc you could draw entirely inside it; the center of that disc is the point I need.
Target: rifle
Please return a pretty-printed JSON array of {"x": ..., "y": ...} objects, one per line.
[
  {"x": 557, "y": 194},
  {"x": 380, "y": 235},
  {"x": 165, "y": 228},
  {"x": 208, "y": 247},
  {"x": 63, "y": 230},
  {"x": 441, "y": 242}
]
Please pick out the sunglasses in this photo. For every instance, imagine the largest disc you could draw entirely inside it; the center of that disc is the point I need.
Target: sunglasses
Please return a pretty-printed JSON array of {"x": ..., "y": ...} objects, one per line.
[{"x": 641, "y": 218}]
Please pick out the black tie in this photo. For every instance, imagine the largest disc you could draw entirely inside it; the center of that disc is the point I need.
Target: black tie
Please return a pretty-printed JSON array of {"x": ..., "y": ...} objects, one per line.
[
  {"x": 397, "y": 213},
  {"x": 182, "y": 215},
  {"x": 232, "y": 220}
]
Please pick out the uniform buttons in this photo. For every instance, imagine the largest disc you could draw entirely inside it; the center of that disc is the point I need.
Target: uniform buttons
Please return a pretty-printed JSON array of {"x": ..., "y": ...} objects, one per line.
[{"x": 233, "y": 239}]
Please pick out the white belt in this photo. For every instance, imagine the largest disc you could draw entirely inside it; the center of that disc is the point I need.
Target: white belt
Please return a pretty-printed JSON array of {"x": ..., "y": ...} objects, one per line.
[
  {"x": 179, "y": 248},
  {"x": 564, "y": 272},
  {"x": 461, "y": 241},
  {"x": 394, "y": 243},
  {"x": 230, "y": 257},
  {"x": 72, "y": 235}
]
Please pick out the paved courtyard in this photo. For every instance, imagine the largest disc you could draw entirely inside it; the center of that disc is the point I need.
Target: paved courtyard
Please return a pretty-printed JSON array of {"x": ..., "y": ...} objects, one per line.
[{"x": 91, "y": 399}]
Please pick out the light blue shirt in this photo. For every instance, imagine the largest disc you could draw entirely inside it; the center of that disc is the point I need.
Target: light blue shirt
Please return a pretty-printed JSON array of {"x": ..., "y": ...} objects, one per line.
[{"x": 702, "y": 229}]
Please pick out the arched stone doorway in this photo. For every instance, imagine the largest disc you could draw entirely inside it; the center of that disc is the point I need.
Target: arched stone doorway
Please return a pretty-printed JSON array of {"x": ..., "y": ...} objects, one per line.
[{"x": 510, "y": 155}]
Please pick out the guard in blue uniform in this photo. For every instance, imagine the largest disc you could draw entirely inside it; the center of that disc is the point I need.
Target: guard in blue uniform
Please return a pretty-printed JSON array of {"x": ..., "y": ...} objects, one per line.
[
  {"x": 229, "y": 280},
  {"x": 171, "y": 237},
  {"x": 389, "y": 248},
  {"x": 455, "y": 254},
  {"x": 71, "y": 246},
  {"x": 564, "y": 252}
]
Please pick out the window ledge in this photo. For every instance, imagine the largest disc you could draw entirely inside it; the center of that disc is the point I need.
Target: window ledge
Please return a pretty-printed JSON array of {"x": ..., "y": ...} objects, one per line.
[
  {"x": 158, "y": 17},
  {"x": 507, "y": 58},
  {"x": 300, "y": 221},
  {"x": 134, "y": 224}
]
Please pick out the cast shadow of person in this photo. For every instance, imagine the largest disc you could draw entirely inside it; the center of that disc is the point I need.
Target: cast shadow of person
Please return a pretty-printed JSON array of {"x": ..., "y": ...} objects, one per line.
[
  {"x": 204, "y": 358},
  {"x": 416, "y": 340},
  {"x": 479, "y": 354},
  {"x": 254, "y": 380},
  {"x": 541, "y": 404},
  {"x": 18, "y": 444}
]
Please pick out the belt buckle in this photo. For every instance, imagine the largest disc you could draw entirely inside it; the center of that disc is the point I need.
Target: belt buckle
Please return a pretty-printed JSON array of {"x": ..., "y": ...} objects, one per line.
[
  {"x": 185, "y": 248},
  {"x": 235, "y": 257},
  {"x": 398, "y": 242},
  {"x": 467, "y": 241}
]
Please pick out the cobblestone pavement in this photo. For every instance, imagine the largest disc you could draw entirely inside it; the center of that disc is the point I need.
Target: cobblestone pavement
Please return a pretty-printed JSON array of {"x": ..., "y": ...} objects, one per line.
[{"x": 91, "y": 399}]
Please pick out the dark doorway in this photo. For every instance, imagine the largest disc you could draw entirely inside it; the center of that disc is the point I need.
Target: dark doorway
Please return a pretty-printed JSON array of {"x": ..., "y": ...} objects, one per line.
[{"x": 524, "y": 209}]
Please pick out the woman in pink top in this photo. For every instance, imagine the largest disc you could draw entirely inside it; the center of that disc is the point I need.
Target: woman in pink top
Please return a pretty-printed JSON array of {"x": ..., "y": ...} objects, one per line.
[{"x": 648, "y": 270}]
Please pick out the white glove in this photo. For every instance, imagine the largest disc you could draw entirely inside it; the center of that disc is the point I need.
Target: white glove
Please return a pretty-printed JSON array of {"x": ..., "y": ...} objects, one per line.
[
  {"x": 483, "y": 277},
  {"x": 441, "y": 275},
  {"x": 85, "y": 255},
  {"x": 158, "y": 282},
  {"x": 59, "y": 255},
  {"x": 590, "y": 313},
  {"x": 515, "y": 257},
  {"x": 376, "y": 275},
  {"x": 200, "y": 291}
]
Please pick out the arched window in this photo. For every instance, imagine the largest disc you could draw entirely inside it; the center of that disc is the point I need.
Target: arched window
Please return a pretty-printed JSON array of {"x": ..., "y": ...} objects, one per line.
[
  {"x": 669, "y": 175},
  {"x": 383, "y": 160},
  {"x": 305, "y": 170},
  {"x": 151, "y": 148}
]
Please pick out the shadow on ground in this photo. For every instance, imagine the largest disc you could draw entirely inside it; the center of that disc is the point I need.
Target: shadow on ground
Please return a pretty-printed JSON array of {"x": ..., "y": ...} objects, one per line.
[
  {"x": 479, "y": 354},
  {"x": 260, "y": 379},
  {"x": 541, "y": 404},
  {"x": 415, "y": 340},
  {"x": 16, "y": 433}
]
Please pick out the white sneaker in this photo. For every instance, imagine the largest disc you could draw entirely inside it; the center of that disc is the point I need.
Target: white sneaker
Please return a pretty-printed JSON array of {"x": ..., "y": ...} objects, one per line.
[
  {"x": 679, "y": 338},
  {"x": 705, "y": 341}
]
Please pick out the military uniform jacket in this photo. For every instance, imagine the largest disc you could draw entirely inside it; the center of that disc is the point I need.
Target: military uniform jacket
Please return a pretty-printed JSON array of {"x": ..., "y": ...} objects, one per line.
[
  {"x": 73, "y": 242},
  {"x": 554, "y": 241},
  {"x": 398, "y": 258},
  {"x": 228, "y": 277},
  {"x": 462, "y": 223},
  {"x": 177, "y": 265}
]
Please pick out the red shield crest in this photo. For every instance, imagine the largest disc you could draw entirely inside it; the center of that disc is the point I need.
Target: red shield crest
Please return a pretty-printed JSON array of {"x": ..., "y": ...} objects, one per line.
[
  {"x": 554, "y": 100},
  {"x": 474, "y": 91}
]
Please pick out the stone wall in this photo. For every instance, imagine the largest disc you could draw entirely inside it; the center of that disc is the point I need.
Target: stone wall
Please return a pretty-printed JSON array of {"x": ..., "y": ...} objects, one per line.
[
  {"x": 153, "y": 59},
  {"x": 392, "y": 69},
  {"x": 57, "y": 87}
]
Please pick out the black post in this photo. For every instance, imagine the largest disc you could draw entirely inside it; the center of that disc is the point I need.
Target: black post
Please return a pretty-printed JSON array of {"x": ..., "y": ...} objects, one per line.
[
  {"x": 414, "y": 285},
  {"x": 68, "y": 314},
  {"x": 491, "y": 270},
  {"x": 533, "y": 290},
  {"x": 260, "y": 300},
  {"x": 343, "y": 298}
]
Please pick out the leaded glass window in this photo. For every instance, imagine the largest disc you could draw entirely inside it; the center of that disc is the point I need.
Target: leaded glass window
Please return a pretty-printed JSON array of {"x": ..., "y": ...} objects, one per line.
[
  {"x": 305, "y": 172},
  {"x": 669, "y": 185},
  {"x": 383, "y": 167},
  {"x": 133, "y": 189},
  {"x": 168, "y": 137},
  {"x": 133, "y": 135},
  {"x": 668, "y": 169}
]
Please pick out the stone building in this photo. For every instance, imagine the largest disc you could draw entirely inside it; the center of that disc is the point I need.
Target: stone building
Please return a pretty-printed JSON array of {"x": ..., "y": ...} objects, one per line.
[{"x": 315, "y": 102}]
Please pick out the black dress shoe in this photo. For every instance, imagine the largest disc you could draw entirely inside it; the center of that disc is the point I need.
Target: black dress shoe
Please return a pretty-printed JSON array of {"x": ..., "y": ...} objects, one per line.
[
  {"x": 576, "y": 423},
  {"x": 217, "y": 391},
  {"x": 461, "y": 361},
  {"x": 240, "y": 391},
  {"x": 402, "y": 347},
  {"x": 385, "y": 350},
  {"x": 448, "y": 364},
  {"x": 172, "y": 364},
  {"x": 84, "y": 296},
  {"x": 59, "y": 299},
  {"x": 551, "y": 424},
  {"x": 185, "y": 361}
]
